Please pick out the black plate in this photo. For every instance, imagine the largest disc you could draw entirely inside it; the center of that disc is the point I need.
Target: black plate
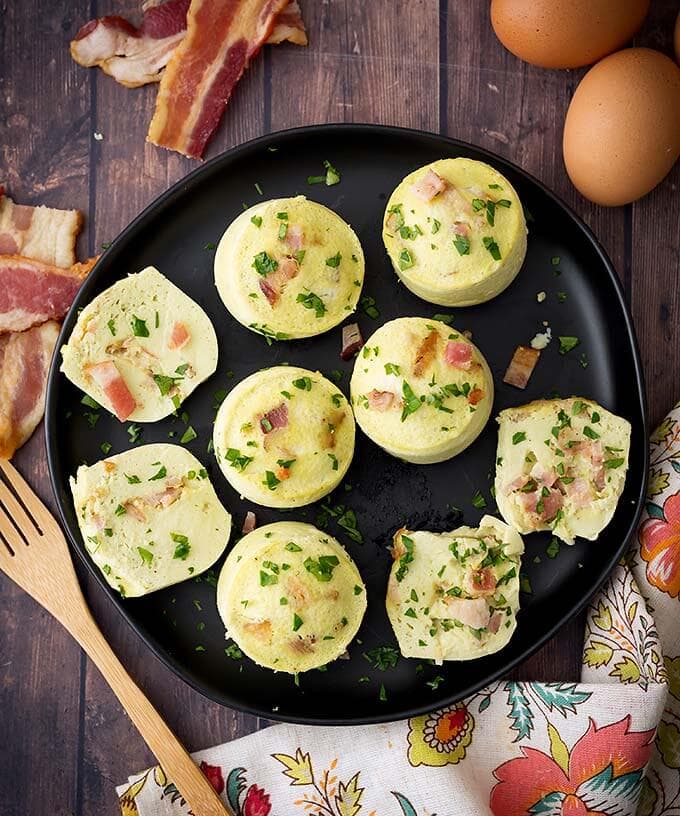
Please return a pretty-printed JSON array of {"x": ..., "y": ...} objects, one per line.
[{"x": 172, "y": 234}]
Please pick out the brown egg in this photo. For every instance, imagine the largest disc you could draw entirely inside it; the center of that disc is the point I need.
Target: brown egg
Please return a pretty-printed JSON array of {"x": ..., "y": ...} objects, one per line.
[
  {"x": 676, "y": 38},
  {"x": 622, "y": 132},
  {"x": 559, "y": 34}
]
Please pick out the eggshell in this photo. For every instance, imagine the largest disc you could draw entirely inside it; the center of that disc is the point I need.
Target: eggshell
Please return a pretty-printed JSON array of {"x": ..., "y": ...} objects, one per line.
[
  {"x": 622, "y": 131},
  {"x": 555, "y": 34}
]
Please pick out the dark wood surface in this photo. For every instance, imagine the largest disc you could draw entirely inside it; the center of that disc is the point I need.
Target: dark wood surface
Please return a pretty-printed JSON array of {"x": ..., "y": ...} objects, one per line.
[{"x": 428, "y": 64}]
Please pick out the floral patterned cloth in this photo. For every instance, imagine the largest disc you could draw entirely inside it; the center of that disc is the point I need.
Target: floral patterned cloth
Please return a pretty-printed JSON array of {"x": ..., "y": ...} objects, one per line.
[{"x": 608, "y": 746}]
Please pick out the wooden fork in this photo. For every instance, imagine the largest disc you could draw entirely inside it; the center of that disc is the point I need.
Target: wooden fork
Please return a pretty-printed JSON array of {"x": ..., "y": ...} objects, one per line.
[{"x": 34, "y": 554}]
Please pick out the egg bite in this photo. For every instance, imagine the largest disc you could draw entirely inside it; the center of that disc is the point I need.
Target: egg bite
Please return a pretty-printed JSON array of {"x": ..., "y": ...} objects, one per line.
[
  {"x": 455, "y": 232},
  {"x": 290, "y": 597},
  {"x": 284, "y": 437},
  {"x": 289, "y": 268},
  {"x": 149, "y": 517},
  {"x": 561, "y": 466},
  {"x": 421, "y": 390},
  {"x": 140, "y": 347},
  {"x": 455, "y": 596}
]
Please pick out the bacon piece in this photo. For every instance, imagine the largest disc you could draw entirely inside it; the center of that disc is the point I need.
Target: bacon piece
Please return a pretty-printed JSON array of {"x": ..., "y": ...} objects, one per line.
[
  {"x": 545, "y": 477},
  {"x": 579, "y": 492},
  {"x": 276, "y": 418},
  {"x": 461, "y": 228},
  {"x": 164, "y": 498},
  {"x": 24, "y": 362},
  {"x": 109, "y": 379},
  {"x": 32, "y": 292},
  {"x": 269, "y": 292},
  {"x": 458, "y": 354},
  {"x": 425, "y": 354},
  {"x": 222, "y": 37},
  {"x": 481, "y": 582},
  {"x": 549, "y": 504},
  {"x": 40, "y": 233},
  {"x": 381, "y": 400},
  {"x": 179, "y": 337},
  {"x": 283, "y": 473},
  {"x": 521, "y": 366},
  {"x": 295, "y": 237},
  {"x": 495, "y": 622},
  {"x": 137, "y": 56},
  {"x": 249, "y": 523},
  {"x": 475, "y": 396},
  {"x": 352, "y": 341},
  {"x": 473, "y": 612},
  {"x": 288, "y": 268},
  {"x": 429, "y": 186},
  {"x": 133, "y": 508},
  {"x": 273, "y": 285}
]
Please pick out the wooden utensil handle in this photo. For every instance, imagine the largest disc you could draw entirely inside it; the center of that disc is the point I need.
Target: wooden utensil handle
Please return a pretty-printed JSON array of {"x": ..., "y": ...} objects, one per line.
[{"x": 170, "y": 753}]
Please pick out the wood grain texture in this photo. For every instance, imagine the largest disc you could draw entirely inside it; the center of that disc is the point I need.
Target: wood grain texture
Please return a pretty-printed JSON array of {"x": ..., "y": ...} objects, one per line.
[{"x": 432, "y": 64}]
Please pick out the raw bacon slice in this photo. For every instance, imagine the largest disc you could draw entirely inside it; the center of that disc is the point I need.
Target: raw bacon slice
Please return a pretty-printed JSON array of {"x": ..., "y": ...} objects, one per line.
[
  {"x": 521, "y": 366},
  {"x": 42, "y": 233},
  {"x": 109, "y": 379},
  {"x": 24, "y": 362},
  {"x": 32, "y": 292},
  {"x": 222, "y": 37},
  {"x": 137, "y": 56}
]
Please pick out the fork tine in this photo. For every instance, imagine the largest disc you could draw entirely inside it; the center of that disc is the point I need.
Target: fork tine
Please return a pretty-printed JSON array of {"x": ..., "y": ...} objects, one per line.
[
  {"x": 41, "y": 516},
  {"x": 16, "y": 511},
  {"x": 10, "y": 533}
]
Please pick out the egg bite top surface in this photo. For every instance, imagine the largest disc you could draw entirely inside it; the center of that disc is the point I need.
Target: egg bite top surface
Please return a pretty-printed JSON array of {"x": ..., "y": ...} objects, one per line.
[
  {"x": 140, "y": 347},
  {"x": 289, "y": 268},
  {"x": 455, "y": 232},
  {"x": 421, "y": 390},
  {"x": 454, "y": 596},
  {"x": 284, "y": 436},
  {"x": 290, "y": 597},
  {"x": 149, "y": 517},
  {"x": 561, "y": 466}
]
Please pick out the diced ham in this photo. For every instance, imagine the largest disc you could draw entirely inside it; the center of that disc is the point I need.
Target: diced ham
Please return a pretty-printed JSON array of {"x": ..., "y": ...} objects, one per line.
[
  {"x": 133, "y": 507},
  {"x": 461, "y": 228},
  {"x": 273, "y": 284},
  {"x": 249, "y": 523},
  {"x": 475, "y": 396},
  {"x": 516, "y": 484},
  {"x": 303, "y": 645},
  {"x": 480, "y": 582},
  {"x": 473, "y": 612},
  {"x": 458, "y": 354},
  {"x": 164, "y": 498},
  {"x": 352, "y": 341},
  {"x": 545, "y": 477},
  {"x": 295, "y": 237},
  {"x": 41, "y": 233},
  {"x": 137, "y": 56},
  {"x": 179, "y": 337},
  {"x": 32, "y": 292},
  {"x": 381, "y": 400},
  {"x": 429, "y": 186},
  {"x": 425, "y": 354},
  {"x": 222, "y": 38},
  {"x": 269, "y": 291},
  {"x": 521, "y": 366},
  {"x": 109, "y": 379},
  {"x": 24, "y": 361},
  {"x": 288, "y": 268},
  {"x": 579, "y": 492},
  {"x": 549, "y": 504},
  {"x": 276, "y": 418},
  {"x": 495, "y": 622}
]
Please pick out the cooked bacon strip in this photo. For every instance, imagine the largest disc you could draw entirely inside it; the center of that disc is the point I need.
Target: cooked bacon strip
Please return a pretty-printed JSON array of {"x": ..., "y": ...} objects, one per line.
[
  {"x": 475, "y": 396},
  {"x": 222, "y": 37},
  {"x": 32, "y": 292},
  {"x": 110, "y": 380},
  {"x": 276, "y": 418},
  {"x": 24, "y": 361},
  {"x": 473, "y": 612},
  {"x": 273, "y": 285},
  {"x": 179, "y": 337},
  {"x": 425, "y": 354},
  {"x": 429, "y": 186},
  {"x": 381, "y": 400},
  {"x": 458, "y": 354},
  {"x": 352, "y": 341},
  {"x": 137, "y": 56},
  {"x": 521, "y": 366},
  {"x": 295, "y": 237},
  {"x": 41, "y": 233},
  {"x": 481, "y": 582}
]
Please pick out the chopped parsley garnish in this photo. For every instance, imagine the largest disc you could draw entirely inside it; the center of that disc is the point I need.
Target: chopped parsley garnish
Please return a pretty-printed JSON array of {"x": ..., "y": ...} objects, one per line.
[
  {"x": 495, "y": 187},
  {"x": 286, "y": 464},
  {"x": 406, "y": 558},
  {"x": 145, "y": 555},
  {"x": 334, "y": 460},
  {"x": 105, "y": 447},
  {"x": 183, "y": 547},
  {"x": 435, "y": 682},
  {"x": 270, "y": 480},
  {"x": 291, "y": 546},
  {"x": 368, "y": 305},
  {"x": 436, "y": 226},
  {"x": 411, "y": 613},
  {"x": 332, "y": 175},
  {"x": 334, "y": 261},
  {"x": 492, "y": 247},
  {"x": 590, "y": 433},
  {"x": 120, "y": 510},
  {"x": 613, "y": 463},
  {"x": 518, "y": 437},
  {"x": 561, "y": 297},
  {"x": 267, "y": 579},
  {"x": 509, "y": 575},
  {"x": 257, "y": 220},
  {"x": 312, "y": 301},
  {"x": 87, "y": 400},
  {"x": 209, "y": 246},
  {"x": 504, "y": 202},
  {"x": 132, "y": 479},
  {"x": 594, "y": 417},
  {"x": 567, "y": 343},
  {"x": 106, "y": 569},
  {"x": 553, "y": 548},
  {"x": 358, "y": 590},
  {"x": 577, "y": 407},
  {"x": 297, "y": 622},
  {"x": 322, "y": 569},
  {"x": 188, "y": 435},
  {"x": 139, "y": 328},
  {"x": 382, "y": 694},
  {"x": 283, "y": 230},
  {"x": 555, "y": 261},
  {"x": 258, "y": 188},
  {"x": 382, "y": 657},
  {"x": 392, "y": 368},
  {"x": 411, "y": 401},
  {"x": 112, "y": 326},
  {"x": 134, "y": 432},
  {"x": 405, "y": 259},
  {"x": 478, "y": 501},
  {"x": 264, "y": 264},
  {"x": 165, "y": 384},
  {"x": 233, "y": 651},
  {"x": 162, "y": 473},
  {"x": 443, "y": 318},
  {"x": 303, "y": 383},
  {"x": 525, "y": 584},
  {"x": 462, "y": 244}
]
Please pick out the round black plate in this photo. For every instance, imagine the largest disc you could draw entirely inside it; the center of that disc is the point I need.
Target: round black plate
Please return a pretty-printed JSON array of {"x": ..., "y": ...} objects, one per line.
[{"x": 177, "y": 234}]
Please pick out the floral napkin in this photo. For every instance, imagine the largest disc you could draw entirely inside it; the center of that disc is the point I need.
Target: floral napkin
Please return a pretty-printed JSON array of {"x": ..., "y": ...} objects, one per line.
[{"x": 608, "y": 746}]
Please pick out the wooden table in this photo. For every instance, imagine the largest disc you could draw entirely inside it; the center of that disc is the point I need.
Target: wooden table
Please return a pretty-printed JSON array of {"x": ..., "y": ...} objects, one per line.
[{"x": 428, "y": 64}]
